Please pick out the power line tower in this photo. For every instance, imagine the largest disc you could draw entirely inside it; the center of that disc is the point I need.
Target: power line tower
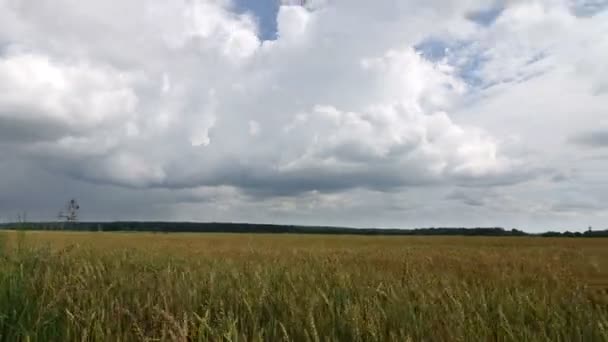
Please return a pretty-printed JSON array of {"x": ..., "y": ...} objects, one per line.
[{"x": 70, "y": 213}]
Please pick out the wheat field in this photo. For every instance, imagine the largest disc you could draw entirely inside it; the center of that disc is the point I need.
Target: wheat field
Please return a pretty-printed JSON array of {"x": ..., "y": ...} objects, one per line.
[{"x": 60, "y": 286}]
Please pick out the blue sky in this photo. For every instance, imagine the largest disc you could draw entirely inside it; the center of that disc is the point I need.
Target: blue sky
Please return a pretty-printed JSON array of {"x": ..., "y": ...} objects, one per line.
[{"x": 266, "y": 12}]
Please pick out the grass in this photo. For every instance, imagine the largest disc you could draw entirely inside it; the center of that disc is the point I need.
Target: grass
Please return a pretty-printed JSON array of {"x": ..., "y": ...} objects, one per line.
[{"x": 57, "y": 286}]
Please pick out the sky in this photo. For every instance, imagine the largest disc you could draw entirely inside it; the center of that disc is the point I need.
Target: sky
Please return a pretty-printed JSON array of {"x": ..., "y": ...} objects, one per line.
[{"x": 323, "y": 112}]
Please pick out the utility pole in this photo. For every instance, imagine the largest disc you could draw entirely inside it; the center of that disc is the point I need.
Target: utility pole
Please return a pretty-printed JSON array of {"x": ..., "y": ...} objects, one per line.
[{"x": 21, "y": 220}]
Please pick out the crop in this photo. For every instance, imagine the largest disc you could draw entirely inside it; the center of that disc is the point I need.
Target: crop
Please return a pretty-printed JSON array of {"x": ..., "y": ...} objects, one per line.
[{"x": 57, "y": 286}]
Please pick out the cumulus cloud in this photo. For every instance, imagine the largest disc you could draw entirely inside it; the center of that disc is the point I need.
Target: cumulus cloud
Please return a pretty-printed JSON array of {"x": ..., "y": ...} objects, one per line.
[
  {"x": 78, "y": 97},
  {"x": 186, "y": 97},
  {"x": 396, "y": 132}
]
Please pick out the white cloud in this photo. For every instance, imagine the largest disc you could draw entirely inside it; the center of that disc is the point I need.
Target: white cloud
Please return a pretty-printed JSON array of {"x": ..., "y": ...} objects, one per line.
[{"x": 32, "y": 87}]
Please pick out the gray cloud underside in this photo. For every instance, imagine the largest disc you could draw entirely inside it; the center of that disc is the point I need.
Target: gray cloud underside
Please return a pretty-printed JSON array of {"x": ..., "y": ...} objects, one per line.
[{"x": 592, "y": 139}]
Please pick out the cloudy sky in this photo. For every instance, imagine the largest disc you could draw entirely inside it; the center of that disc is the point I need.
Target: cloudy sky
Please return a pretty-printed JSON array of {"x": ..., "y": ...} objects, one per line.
[{"x": 385, "y": 113}]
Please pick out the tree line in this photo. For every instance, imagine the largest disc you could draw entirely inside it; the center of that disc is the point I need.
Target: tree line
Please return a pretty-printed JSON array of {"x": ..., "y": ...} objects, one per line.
[{"x": 217, "y": 227}]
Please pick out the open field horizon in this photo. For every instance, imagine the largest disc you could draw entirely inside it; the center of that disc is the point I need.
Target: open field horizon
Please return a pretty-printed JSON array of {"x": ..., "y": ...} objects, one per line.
[
  {"x": 272, "y": 228},
  {"x": 68, "y": 286}
]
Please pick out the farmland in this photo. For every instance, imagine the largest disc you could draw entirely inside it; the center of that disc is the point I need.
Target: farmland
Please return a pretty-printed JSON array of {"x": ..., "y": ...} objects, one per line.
[{"x": 60, "y": 286}]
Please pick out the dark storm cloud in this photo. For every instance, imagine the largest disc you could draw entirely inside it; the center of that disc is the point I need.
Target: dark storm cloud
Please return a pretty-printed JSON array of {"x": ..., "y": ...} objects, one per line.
[
  {"x": 28, "y": 130},
  {"x": 466, "y": 198},
  {"x": 27, "y": 188}
]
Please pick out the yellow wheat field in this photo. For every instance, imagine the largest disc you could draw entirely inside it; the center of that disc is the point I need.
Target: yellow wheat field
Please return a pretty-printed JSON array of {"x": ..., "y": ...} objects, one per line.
[{"x": 58, "y": 286}]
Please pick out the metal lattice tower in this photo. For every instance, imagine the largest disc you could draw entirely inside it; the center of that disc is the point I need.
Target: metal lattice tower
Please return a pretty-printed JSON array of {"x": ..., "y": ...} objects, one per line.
[{"x": 70, "y": 213}]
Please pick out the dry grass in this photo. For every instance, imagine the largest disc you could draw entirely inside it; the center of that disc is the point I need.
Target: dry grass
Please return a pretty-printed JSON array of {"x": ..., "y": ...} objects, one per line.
[{"x": 124, "y": 287}]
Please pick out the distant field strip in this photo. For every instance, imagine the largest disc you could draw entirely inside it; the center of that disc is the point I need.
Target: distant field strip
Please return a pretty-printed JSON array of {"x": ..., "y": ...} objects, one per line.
[{"x": 59, "y": 286}]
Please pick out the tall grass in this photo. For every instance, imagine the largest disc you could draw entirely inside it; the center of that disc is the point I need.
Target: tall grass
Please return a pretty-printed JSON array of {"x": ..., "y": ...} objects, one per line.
[{"x": 129, "y": 287}]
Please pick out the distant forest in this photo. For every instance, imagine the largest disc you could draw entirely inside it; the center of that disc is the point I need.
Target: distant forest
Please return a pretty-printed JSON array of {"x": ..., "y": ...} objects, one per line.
[{"x": 194, "y": 227}]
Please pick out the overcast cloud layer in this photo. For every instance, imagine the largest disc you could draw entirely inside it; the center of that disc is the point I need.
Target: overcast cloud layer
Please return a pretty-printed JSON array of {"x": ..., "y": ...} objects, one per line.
[{"x": 342, "y": 112}]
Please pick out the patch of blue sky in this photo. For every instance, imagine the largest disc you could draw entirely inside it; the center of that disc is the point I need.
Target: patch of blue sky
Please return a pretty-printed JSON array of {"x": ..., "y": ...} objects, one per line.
[
  {"x": 469, "y": 59},
  {"x": 265, "y": 11},
  {"x": 460, "y": 54},
  {"x": 433, "y": 49},
  {"x": 463, "y": 55}
]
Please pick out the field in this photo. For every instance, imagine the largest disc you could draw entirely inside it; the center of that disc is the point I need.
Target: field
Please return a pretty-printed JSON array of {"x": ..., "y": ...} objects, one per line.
[{"x": 59, "y": 286}]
